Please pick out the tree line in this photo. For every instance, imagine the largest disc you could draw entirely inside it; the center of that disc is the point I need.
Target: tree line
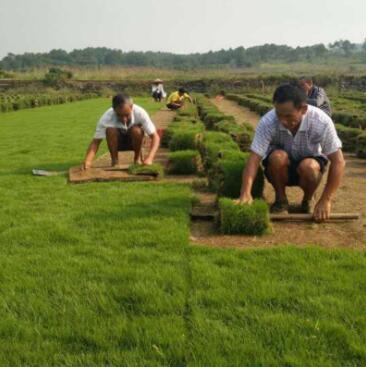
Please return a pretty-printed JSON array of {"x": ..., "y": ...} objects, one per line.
[{"x": 234, "y": 58}]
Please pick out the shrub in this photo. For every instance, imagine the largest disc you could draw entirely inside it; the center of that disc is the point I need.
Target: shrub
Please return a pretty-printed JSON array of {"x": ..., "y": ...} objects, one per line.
[
  {"x": 184, "y": 162},
  {"x": 225, "y": 177},
  {"x": 243, "y": 218},
  {"x": 155, "y": 169}
]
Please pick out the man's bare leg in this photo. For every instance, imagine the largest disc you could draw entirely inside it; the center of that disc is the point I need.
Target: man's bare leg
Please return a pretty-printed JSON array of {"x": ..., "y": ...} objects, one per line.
[
  {"x": 137, "y": 138},
  {"x": 112, "y": 135},
  {"x": 277, "y": 172},
  {"x": 309, "y": 180}
]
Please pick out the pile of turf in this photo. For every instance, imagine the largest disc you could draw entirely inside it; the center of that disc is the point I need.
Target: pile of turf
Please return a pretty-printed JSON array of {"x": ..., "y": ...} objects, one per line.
[
  {"x": 179, "y": 127},
  {"x": 241, "y": 134},
  {"x": 225, "y": 176},
  {"x": 155, "y": 170},
  {"x": 212, "y": 144},
  {"x": 243, "y": 218},
  {"x": 184, "y": 162},
  {"x": 349, "y": 137},
  {"x": 361, "y": 145}
]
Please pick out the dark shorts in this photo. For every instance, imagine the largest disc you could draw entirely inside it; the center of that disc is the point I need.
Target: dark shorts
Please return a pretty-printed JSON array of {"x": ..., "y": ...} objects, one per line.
[
  {"x": 293, "y": 176},
  {"x": 173, "y": 106},
  {"x": 124, "y": 141}
]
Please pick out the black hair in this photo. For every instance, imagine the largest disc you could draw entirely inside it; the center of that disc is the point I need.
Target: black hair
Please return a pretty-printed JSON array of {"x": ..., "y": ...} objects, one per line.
[
  {"x": 306, "y": 77},
  {"x": 288, "y": 92},
  {"x": 120, "y": 99},
  {"x": 182, "y": 90}
]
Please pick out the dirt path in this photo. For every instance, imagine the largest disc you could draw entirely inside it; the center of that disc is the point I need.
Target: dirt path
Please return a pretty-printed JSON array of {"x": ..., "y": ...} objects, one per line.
[
  {"x": 241, "y": 114},
  {"x": 351, "y": 197}
]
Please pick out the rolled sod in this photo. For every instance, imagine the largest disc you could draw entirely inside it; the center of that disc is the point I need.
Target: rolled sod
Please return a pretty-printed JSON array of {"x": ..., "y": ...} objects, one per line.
[
  {"x": 243, "y": 218},
  {"x": 183, "y": 140},
  {"x": 225, "y": 177},
  {"x": 155, "y": 169},
  {"x": 361, "y": 145},
  {"x": 181, "y": 126},
  {"x": 349, "y": 137},
  {"x": 184, "y": 162}
]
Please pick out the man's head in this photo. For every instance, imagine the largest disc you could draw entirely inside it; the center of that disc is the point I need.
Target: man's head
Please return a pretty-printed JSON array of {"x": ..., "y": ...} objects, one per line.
[
  {"x": 291, "y": 105},
  {"x": 122, "y": 105},
  {"x": 181, "y": 91},
  {"x": 306, "y": 84}
]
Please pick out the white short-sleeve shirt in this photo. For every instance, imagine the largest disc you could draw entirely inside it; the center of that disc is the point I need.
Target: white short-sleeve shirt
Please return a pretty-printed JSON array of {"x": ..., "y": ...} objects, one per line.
[
  {"x": 138, "y": 117},
  {"x": 316, "y": 136}
]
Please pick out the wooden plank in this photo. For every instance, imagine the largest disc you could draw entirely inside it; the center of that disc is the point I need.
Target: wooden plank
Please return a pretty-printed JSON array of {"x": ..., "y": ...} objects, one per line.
[
  {"x": 309, "y": 217},
  {"x": 76, "y": 175}
]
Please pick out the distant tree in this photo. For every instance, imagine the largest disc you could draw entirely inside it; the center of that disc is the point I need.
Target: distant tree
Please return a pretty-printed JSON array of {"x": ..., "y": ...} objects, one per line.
[
  {"x": 344, "y": 46},
  {"x": 55, "y": 75}
]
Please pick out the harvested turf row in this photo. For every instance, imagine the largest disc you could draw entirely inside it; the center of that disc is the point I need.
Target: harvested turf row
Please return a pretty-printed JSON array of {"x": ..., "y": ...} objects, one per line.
[
  {"x": 224, "y": 162},
  {"x": 181, "y": 138}
]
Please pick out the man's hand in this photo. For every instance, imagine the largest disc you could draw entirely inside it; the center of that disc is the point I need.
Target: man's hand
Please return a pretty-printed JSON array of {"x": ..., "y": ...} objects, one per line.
[
  {"x": 244, "y": 199},
  {"x": 322, "y": 210},
  {"x": 86, "y": 165}
]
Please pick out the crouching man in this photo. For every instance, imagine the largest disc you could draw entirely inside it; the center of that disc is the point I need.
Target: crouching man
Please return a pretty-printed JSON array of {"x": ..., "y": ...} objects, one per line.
[
  {"x": 124, "y": 126},
  {"x": 295, "y": 141}
]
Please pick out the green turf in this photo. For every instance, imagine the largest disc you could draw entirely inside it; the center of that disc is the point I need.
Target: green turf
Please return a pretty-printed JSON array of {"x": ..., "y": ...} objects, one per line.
[{"x": 102, "y": 274}]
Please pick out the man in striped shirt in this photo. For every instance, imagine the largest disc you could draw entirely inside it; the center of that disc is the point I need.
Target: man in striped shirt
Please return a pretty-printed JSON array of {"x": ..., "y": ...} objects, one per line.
[
  {"x": 295, "y": 141},
  {"x": 316, "y": 95}
]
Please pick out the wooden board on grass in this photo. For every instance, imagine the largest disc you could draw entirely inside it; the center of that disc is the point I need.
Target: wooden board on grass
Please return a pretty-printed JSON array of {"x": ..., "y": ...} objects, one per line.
[{"x": 77, "y": 175}]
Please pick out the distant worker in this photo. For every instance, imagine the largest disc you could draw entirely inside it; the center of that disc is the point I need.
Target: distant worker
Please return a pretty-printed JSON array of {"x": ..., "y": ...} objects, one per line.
[
  {"x": 157, "y": 90},
  {"x": 176, "y": 99},
  {"x": 124, "y": 126},
  {"x": 316, "y": 95}
]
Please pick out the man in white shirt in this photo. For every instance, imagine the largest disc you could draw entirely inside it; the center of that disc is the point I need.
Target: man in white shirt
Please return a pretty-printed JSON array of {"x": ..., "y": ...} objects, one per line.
[
  {"x": 124, "y": 126},
  {"x": 295, "y": 141}
]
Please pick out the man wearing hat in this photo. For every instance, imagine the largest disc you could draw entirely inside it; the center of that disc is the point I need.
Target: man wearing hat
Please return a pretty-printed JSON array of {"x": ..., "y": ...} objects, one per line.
[
  {"x": 176, "y": 99},
  {"x": 157, "y": 90}
]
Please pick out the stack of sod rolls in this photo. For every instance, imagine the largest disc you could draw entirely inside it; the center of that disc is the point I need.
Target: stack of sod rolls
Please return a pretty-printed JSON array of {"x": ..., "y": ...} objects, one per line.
[
  {"x": 181, "y": 138},
  {"x": 258, "y": 105},
  {"x": 215, "y": 120},
  {"x": 361, "y": 145},
  {"x": 224, "y": 163},
  {"x": 244, "y": 219}
]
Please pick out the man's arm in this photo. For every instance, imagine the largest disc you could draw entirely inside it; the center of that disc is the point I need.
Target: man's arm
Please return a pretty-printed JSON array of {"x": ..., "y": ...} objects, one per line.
[
  {"x": 91, "y": 152},
  {"x": 323, "y": 207},
  {"x": 249, "y": 174},
  {"x": 154, "y": 146}
]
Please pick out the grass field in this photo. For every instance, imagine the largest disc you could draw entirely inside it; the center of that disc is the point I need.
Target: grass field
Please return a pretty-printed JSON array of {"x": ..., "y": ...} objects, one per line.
[{"x": 103, "y": 274}]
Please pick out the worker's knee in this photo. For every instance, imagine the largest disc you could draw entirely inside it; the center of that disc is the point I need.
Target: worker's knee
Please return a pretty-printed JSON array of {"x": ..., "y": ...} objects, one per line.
[
  {"x": 309, "y": 169},
  {"x": 111, "y": 131},
  {"x": 278, "y": 158},
  {"x": 136, "y": 132}
]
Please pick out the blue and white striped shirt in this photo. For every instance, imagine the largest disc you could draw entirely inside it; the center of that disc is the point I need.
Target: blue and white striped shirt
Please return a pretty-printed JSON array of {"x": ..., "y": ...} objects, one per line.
[{"x": 316, "y": 136}]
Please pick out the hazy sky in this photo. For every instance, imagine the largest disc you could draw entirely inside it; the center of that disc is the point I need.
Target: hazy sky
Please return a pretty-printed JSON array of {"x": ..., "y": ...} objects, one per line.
[{"x": 177, "y": 26}]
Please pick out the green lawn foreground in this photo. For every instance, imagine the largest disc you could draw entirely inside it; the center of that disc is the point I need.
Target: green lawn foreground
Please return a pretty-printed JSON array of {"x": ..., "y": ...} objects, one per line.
[{"x": 103, "y": 275}]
